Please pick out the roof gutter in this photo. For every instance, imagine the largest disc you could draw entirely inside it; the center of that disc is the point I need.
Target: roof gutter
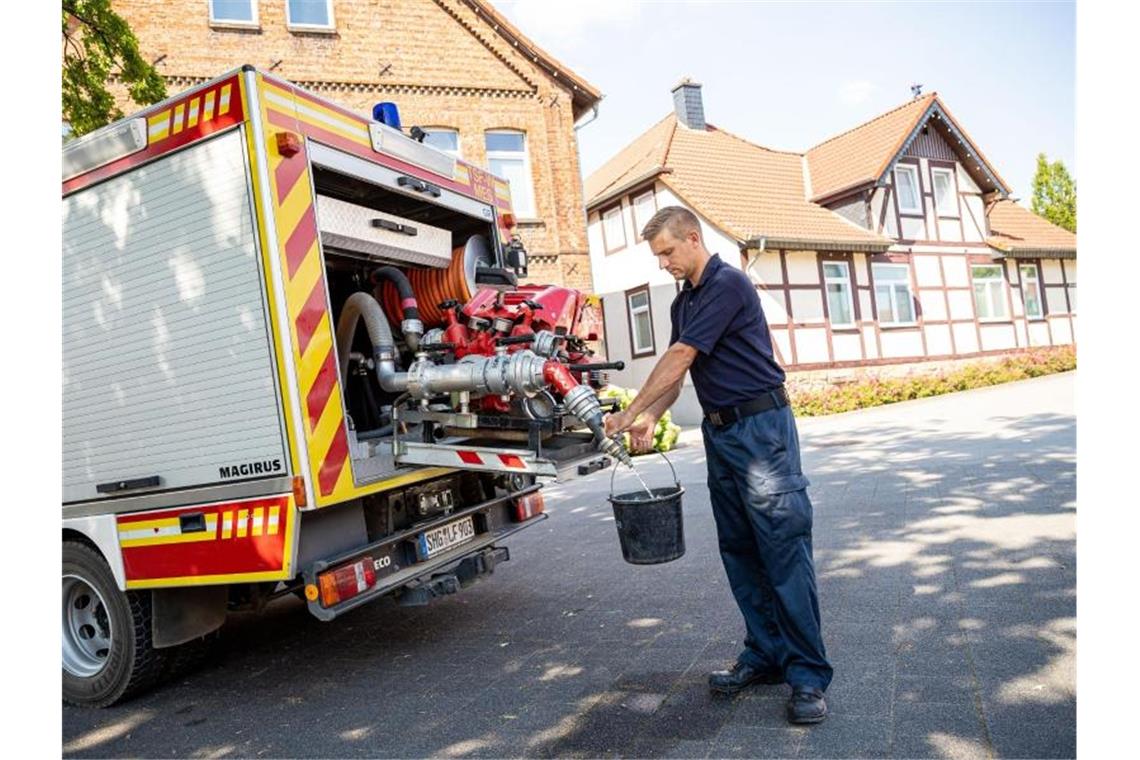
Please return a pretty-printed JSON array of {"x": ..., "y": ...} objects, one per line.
[
  {"x": 765, "y": 242},
  {"x": 627, "y": 186},
  {"x": 1036, "y": 253}
]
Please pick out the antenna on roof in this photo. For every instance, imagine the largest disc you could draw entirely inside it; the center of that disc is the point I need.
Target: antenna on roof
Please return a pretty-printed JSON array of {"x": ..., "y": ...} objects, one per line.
[{"x": 915, "y": 90}]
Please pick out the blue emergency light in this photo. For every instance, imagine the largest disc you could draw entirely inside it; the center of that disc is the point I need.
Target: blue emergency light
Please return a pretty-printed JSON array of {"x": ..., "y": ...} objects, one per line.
[{"x": 387, "y": 113}]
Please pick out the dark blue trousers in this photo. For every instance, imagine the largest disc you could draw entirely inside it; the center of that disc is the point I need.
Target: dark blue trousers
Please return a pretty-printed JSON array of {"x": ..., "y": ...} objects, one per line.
[{"x": 763, "y": 521}]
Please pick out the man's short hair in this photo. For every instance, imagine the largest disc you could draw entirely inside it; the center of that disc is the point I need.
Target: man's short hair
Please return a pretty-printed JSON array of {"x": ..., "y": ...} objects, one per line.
[{"x": 677, "y": 219}]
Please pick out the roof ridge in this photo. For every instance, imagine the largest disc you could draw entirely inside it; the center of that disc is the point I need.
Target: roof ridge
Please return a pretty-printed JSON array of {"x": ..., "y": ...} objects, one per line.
[
  {"x": 648, "y": 151},
  {"x": 751, "y": 144},
  {"x": 929, "y": 98}
]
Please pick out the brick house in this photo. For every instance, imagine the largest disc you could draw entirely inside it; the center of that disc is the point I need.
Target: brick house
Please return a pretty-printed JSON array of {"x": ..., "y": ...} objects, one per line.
[
  {"x": 891, "y": 248},
  {"x": 457, "y": 68}
]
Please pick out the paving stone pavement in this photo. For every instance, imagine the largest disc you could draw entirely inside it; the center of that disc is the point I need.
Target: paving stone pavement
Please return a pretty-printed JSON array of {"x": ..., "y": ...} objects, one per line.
[{"x": 945, "y": 550}]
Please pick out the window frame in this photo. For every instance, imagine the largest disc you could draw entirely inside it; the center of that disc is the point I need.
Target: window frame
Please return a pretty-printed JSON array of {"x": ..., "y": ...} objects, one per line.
[
  {"x": 1000, "y": 280},
  {"x": 253, "y": 23},
  {"x": 913, "y": 170},
  {"x": 952, "y": 211},
  {"x": 1036, "y": 282},
  {"x": 845, "y": 280},
  {"x": 894, "y": 286},
  {"x": 629, "y": 313},
  {"x": 301, "y": 27},
  {"x": 633, "y": 199},
  {"x": 605, "y": 236},
  {"x": 458, "y": 154},
  {"x": 503, "y": 155}
]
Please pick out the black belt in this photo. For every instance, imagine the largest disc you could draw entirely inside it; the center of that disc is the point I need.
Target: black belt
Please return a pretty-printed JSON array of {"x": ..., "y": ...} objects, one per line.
[{"x": 771, "y": 400}]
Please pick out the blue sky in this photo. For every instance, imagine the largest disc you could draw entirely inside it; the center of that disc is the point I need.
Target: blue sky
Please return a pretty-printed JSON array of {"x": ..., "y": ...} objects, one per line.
[{"x": 790, "y": 75}]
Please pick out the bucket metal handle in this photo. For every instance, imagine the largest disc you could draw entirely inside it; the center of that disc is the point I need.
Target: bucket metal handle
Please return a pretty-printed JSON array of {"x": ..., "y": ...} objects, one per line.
[{"x": 676, "y": 482}]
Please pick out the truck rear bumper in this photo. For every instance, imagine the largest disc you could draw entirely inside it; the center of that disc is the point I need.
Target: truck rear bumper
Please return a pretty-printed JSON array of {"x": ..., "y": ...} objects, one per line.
[{"x": 424, "y": 578}]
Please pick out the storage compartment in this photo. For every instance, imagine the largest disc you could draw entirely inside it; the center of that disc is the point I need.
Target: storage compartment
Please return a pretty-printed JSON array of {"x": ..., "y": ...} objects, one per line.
[{"x": 358, "y": 229}]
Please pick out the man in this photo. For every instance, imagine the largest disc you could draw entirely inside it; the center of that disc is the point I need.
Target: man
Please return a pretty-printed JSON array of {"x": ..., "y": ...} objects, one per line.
[{"x": 760, "y": 505}]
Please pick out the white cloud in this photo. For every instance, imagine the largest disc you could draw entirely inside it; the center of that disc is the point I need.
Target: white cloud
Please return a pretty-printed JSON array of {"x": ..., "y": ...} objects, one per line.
[
  {"x": 563, "y": 23},
  {"x": 853, "y": 93}
]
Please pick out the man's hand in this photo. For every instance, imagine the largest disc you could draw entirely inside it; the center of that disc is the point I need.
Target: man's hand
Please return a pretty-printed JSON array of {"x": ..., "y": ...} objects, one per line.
[{"x": 640, "y": 429}]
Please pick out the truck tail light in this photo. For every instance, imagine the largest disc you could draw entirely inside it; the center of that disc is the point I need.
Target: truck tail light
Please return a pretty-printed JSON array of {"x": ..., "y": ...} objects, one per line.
[
  {"x": 528, "y": 506},
  {"x": 508, "y": 220},
  {"x": 346, "y": 581}
]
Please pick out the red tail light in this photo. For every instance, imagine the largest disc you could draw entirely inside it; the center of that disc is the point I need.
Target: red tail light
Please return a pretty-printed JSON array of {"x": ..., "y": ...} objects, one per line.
[
  {"x": 528, "y": 506},
  {"x": 508, "y": 219},
  {"x": 346, "y": 581}
]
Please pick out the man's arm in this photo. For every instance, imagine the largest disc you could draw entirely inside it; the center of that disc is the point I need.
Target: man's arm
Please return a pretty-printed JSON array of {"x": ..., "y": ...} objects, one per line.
[{"x": 663, "y": 385}]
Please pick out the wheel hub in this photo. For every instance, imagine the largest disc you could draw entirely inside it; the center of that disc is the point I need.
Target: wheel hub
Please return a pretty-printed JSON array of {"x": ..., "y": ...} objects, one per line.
[{"x": 86, "y": 628}]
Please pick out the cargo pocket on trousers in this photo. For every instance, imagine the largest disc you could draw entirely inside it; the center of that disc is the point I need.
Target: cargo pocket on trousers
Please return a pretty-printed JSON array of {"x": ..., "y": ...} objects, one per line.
[{"x": 778, "y": 484}]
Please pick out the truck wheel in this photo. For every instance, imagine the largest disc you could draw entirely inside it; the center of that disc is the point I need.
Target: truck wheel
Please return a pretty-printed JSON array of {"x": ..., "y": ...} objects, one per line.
[{"x": 107, "y": 653}]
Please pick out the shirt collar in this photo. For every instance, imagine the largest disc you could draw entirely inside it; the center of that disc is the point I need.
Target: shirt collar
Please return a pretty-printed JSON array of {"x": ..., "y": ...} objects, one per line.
[{"x": 710, "y": 269}]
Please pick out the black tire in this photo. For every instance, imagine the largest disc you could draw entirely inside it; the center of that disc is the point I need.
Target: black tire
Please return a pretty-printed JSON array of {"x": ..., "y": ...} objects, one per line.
[{"x": 130, "y": 664}]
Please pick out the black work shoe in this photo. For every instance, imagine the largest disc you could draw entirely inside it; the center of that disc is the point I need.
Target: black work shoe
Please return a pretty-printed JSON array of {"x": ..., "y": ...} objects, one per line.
[
  {"x": 806, "y": 705},
  {"x": 741, "y": 675}
]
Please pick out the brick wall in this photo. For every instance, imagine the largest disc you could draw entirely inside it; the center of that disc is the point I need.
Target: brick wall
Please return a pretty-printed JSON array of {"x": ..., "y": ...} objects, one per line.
[{"x": 438, "y": 59}]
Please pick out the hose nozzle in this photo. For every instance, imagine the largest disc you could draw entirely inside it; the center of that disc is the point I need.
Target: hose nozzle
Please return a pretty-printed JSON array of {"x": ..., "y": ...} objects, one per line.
[{"x": 582, "y": 402}]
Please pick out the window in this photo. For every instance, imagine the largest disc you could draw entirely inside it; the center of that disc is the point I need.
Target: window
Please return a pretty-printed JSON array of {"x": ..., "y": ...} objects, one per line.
[
  {"x": 892, "y": 294},
  {"x": 945, "y": 196},
  {"x": 906, "y": 180},
  {"x": 507, "y": 158},
  {"x": 242, "y": 12},
  {"x": 989, "y": 295},
  {"x": 837, "y": 280},
  {"x": 1031, "y": 291},
  {"x": 640, "y": 323},
  {"x": 443, "y": 139},
  {"x": 644, "y": 207},
  {"x": 613, "y": 229},
  {"x": 309, "y": 14}
]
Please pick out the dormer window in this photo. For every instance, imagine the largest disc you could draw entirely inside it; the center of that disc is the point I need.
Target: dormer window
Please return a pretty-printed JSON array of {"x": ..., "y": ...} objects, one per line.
[
  {"x": 906, "y": 182},
  {"x": 945, "y": 199}
]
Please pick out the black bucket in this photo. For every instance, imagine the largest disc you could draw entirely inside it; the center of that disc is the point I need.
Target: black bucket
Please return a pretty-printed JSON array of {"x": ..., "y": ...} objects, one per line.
[{"x": 650, "y": 530}]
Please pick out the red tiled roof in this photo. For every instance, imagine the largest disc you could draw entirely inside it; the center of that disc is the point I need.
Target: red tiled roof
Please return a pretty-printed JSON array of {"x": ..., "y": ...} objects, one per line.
[
  {"x": 1014, "y": 228},
  {"x": 862, "y": 154},
  {"x": 748, "y": 191}
]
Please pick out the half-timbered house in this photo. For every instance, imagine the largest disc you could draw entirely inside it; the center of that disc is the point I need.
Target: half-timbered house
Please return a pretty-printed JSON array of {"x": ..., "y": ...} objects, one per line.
[{"x": 889, "y": 248}]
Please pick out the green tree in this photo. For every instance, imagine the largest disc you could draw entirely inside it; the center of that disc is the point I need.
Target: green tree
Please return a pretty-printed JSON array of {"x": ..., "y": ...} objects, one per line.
[
  {"x": 98, "y": 44},
  {"x": 1055, "y": 194}
]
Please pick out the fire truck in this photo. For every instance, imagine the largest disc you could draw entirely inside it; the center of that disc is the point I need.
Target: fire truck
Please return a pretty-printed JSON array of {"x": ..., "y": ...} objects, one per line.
[{"x": 296, "y": 360}]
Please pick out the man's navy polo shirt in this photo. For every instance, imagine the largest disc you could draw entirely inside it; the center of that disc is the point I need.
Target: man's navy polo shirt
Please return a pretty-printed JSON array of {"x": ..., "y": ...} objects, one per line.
[{"x": 721, "y": 318}]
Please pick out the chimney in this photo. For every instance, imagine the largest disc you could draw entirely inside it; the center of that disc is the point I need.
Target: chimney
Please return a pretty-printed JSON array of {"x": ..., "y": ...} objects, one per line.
[{"x": 687, "y": 103}]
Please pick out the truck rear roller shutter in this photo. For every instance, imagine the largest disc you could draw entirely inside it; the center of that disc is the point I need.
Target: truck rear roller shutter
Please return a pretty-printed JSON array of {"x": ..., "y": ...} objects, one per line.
[{"x": 168, "y": 371}]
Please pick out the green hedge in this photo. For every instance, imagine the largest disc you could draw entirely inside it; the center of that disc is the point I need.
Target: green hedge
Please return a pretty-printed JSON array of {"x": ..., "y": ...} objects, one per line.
[
  {"x": 664, "y": 436},
  {"x": 878, "y": 391}
]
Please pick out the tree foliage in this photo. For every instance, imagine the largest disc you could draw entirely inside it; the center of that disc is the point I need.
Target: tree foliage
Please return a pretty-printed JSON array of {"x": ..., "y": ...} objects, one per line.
[
  {"x": 99, "y": 44},
  {"x": 1055, "y": 194}
]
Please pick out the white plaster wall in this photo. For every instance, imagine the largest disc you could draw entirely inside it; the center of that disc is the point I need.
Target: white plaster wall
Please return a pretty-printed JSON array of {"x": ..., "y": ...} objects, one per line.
[
  {"x": 949, "y": 230},
  {"x": 878, "y": 198},
  {"x": 997, "y": 337},
  {"x": 965, "y": 338},
  {"x": 927, "y": 271},
  {"x": 861, "y": 270},
  {"x": 811, "y": 345},
  {"x": 961, "y": 304},
  {"x": 1070, "y": 270},
  {"x": 865, "y": 304},
  {"x": 617, "y": 337},
  {"x": 913, "y": 229},
  {"x": 802, "y": 268},
  {"x": 847, "y": 347},
  {"x": 1062, "y": 335},
  {"x": 1051, "y": 268},
  {"x": 897, "y": 344},
  {"x": 938, "y": 340},
  {"x": 973, "y": 218},
  {"x": 1022, "y": 332},
  {"x": 869, "y": 342},
  {"x": 660, "y": 300},
  {"x": 957, "y": 273},
  {"x": 781, "y": 343},
  {"x": 1073, "y": 299},
  {"x": 1038, "y": 334},
  {"x": 764, "y": 268},
  {"x": 1055, "y": 300},
  {"x": 966, "y": 183},
  {"x": 772, "y": 302},
  {"x": 933, "y": 305},
  {"x": 807, "y": 306}
]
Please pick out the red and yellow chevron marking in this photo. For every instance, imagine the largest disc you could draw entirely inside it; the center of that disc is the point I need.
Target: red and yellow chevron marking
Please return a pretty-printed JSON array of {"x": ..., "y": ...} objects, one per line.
[
  {"x": 242, "y": 541},
  {"x": 306, "y": 297},
  {"x": 176, "y": 123}
]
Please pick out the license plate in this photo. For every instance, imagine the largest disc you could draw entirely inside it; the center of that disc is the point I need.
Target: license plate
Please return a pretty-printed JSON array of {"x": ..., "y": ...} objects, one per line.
[{"x": 439, "y": 540}]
